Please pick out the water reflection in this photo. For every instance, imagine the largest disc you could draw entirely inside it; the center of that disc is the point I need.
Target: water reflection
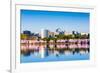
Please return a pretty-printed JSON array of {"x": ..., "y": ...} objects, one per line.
[{"x": 43, "y": 51}]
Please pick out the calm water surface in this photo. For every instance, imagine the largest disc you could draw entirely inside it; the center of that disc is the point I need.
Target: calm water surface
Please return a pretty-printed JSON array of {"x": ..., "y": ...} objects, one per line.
[{"x": 49, "y": 53}]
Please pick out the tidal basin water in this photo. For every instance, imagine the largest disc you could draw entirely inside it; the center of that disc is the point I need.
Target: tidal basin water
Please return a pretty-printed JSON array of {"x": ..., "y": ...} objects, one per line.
[
  {"x": 52, "y": 53},
  {"x": 71, "y": 57}
]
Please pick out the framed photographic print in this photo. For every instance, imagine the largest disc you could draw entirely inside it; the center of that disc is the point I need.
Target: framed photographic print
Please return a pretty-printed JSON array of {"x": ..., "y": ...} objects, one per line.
[{"x": 45, "y": 35}]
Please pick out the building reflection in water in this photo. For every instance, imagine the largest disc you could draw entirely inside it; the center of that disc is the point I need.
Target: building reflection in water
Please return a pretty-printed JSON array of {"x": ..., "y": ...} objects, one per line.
[{"x": 57, "y": 49}]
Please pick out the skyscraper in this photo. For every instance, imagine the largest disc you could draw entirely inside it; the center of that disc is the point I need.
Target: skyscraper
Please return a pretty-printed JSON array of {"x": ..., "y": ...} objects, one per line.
[
  {"x": 44, "y": 33},
  {"x": 27, "y": 32}
]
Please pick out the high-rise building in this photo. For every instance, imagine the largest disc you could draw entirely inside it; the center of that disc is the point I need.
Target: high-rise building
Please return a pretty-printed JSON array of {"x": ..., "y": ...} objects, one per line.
[
  {"x": 51, "y": 34},
  {"x": 44, "y": 33},
  {"x": 27, "y": 32},
  {"x": 60, "y": 31}
]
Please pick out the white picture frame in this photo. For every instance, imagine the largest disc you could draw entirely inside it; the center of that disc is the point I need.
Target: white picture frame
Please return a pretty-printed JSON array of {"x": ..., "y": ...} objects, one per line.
[{"x": 17, "y": 67}]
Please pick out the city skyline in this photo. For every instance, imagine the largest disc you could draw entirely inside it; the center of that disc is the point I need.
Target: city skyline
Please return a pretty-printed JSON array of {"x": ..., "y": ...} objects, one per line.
[
  {"x": 35, "y": 20},
  {"x": 53, "y": 31}
]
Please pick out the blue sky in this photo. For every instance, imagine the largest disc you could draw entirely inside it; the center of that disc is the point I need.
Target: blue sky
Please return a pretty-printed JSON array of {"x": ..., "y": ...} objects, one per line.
[{"x": 35, "y": 20}]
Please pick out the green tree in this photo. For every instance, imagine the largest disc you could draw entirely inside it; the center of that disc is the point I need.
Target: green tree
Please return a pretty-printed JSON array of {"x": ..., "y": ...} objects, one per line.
[{"x": 24, "y": 36}]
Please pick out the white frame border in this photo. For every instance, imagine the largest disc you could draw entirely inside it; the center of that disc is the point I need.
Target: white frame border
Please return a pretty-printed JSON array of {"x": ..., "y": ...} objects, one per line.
[{"x": 15, "y": 30}]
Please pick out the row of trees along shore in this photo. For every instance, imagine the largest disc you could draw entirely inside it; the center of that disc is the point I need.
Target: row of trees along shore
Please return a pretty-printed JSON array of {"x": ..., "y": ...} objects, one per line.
[{"x": 57, "y": 37}]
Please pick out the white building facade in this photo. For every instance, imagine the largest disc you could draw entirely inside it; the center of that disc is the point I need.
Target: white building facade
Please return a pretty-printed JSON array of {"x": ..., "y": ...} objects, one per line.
[{"x": 44, "y": 33}]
